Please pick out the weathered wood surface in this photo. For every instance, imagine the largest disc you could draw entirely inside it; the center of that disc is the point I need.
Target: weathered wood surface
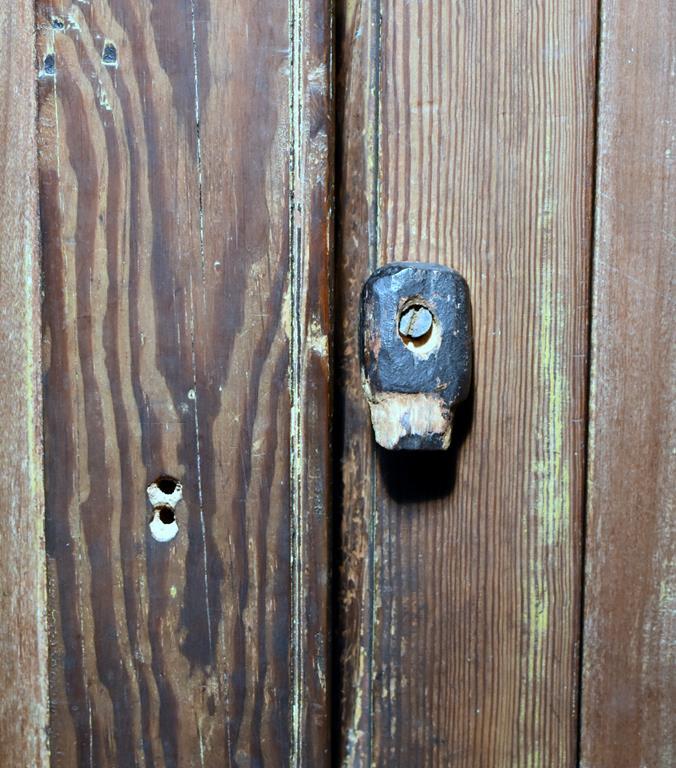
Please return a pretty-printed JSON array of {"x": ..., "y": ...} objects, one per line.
[
  {"x": 185, "y": 221},
  {"x": 467, "y": 139},
  {"x": 23, "y": 614},
  {"x": 628, "y": 684}
]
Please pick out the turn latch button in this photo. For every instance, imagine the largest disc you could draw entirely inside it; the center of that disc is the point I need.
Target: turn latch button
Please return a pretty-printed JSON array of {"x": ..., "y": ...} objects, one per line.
[{"x": 416, "y": 353}]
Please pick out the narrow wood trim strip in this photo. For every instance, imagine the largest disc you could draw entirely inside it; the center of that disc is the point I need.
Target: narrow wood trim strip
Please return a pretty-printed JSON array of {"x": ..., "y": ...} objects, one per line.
[
  {"x": 628, "y": 684},
  {"x": 23, "y": 639},
  {"x": 310, "y": 269}
]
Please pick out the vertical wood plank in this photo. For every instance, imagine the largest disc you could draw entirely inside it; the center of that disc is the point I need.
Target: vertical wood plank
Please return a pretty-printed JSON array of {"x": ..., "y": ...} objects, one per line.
[
  {"x": 628, "y": 684},
  {"x": 357, "y": 78},
  {"x": 310, "y": 380},
  {"x": 468, "y": 141},
  {"x": 185, "y": 186},
  {"x": 23, "y": 604}
]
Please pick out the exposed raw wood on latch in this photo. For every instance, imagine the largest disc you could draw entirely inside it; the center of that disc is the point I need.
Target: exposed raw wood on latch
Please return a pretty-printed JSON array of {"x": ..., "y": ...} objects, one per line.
[{"x": 416, "y": 353}]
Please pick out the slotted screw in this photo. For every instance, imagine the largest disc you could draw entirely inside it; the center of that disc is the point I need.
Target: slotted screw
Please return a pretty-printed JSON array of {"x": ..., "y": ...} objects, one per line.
[{"x": 415, "y": 322}]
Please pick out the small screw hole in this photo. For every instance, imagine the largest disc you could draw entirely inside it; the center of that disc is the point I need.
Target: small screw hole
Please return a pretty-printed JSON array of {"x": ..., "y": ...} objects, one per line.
[
  {"x": 166, "y": 484},
  {"x": 109, "y": 55},
  {"x": 166, "y": 513},
  {"x": 49, "y": 65},
  {"x": 418, "y": 328}
]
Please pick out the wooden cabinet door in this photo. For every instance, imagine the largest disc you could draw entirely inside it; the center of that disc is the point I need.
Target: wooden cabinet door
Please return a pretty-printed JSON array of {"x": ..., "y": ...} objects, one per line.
[
  {"x": 205, "y": 558},
  {"x": 184, "y": 196},
  {"x": 467, "y": 133}
]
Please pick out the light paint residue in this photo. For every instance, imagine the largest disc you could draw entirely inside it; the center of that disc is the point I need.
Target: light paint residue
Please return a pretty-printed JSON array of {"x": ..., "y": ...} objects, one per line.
[
  {"x": 162, "y": 532},
  {"x": 158, "y": 497},
  {"x": 317, "y": 340},
  {"x": 159, "y": 500}
]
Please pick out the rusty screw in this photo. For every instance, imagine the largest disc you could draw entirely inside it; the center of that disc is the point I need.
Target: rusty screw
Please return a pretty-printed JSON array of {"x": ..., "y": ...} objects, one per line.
[{"x": 415, "y": 322}]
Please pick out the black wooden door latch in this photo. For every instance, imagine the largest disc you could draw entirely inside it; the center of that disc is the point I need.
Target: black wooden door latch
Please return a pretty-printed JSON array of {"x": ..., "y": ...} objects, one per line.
[{"x": 416, "y": 353}]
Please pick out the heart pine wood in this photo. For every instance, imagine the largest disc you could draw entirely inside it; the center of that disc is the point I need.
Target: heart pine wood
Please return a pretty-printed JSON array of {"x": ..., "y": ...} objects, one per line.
[{"x": 185, "y": 184}]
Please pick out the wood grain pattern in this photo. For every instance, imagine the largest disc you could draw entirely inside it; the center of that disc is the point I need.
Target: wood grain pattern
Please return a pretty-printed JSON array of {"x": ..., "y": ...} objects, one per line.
[
  {"x": 467, "y": 140},
  {"x": 185, "y": 197},
  {"x": 628, "y": 684},
  {"x": 23, "y": 603}
]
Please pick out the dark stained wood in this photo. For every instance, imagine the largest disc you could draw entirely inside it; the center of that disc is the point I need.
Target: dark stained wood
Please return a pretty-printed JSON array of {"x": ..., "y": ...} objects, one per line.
[
  {"x": 185, "y": 191},
  {"x": 310, "y": 379},
  {"x": 467, "y": 140},
  {"x": 628, "y": 684},
  {"x": 23, "y": 604}
]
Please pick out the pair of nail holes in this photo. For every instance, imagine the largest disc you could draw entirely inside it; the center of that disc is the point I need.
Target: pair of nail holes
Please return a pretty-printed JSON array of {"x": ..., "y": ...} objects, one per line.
[
  {"x": 418, "y": 327},
  {"x": 164, "y": 494}
]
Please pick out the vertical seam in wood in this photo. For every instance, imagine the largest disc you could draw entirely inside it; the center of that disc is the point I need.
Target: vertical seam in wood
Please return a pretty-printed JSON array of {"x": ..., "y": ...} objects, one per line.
[
  {"x": 374, "y": 250},
  {"x": 35, "y": 432},
  {"x": 198, "y": 462},
  {"x": 589, "y": 436},
  {"x": 295, "y": 382},
  {"x": 374, "y": 238}
]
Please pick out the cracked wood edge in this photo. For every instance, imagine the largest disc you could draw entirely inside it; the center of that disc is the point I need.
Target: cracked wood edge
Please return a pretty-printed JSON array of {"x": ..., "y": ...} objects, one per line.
[
  {"x": 395, "y": 415},
  {"x": 23, "y": 637}
]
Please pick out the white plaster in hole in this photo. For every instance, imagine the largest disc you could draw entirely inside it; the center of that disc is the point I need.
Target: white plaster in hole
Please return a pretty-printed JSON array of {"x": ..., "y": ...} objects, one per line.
[
  {"x": 160, "y": 531},
  {"x": 156, "y": 496}
]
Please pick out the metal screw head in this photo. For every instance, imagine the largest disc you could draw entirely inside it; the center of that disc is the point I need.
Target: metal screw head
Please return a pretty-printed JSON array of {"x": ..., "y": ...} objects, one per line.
[{"x": 415, "y": 322}]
